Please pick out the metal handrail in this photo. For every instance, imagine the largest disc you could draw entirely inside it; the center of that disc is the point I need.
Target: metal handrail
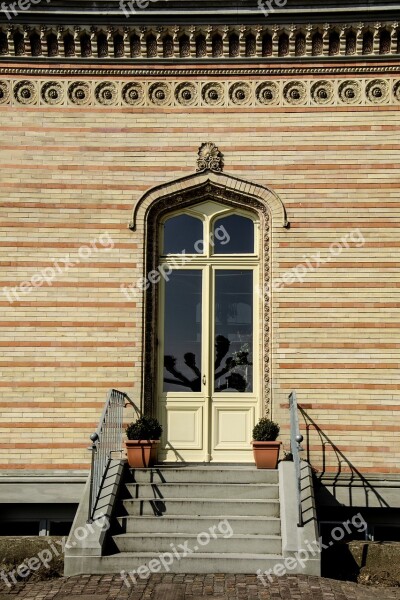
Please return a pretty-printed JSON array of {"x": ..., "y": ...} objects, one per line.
[
  {"x": 106, "y": 439},
  {"x": 295, "y": 440}
]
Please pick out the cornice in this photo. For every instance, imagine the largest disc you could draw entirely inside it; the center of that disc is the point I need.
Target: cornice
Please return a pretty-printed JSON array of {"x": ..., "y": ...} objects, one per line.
[{"x": 189, "y": 72}]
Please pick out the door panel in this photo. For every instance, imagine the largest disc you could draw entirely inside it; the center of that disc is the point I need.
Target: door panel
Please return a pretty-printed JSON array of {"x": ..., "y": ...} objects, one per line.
[
  {"x": 183, "y": 331},
  {"x": 233, "y": 308}
]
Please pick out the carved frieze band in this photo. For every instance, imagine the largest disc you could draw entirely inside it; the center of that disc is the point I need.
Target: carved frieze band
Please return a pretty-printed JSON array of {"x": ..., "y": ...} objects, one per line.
[{"x": 197, "y": 94}]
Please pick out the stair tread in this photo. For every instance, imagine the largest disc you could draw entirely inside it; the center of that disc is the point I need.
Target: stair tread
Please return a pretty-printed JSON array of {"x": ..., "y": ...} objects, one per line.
[
  {"x": 226, "y": 500},
  {"x": 209, "y": 468},
  {"x": 212, "y": 555},
  {"x": 204, "y": 517},
  {"x": 202, "y": 483},
  {"x": 182, "y": 534}
]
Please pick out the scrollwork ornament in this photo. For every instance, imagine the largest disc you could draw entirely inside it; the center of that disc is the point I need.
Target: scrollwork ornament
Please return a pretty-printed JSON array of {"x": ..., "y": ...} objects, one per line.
[
  {"x": 322, "y": 92},
  {"x": 160, "y": 93},
  {"x": 209, "y": 157},
  {"x": 133, "y": 94},
  {"x": 25, "y": 92},
  {"x": 106, "y": 93},
  {"x": 267, "y": 93},
  {"x": 350, "y": 92},
  {"x": 396, "y": 91},
  {"x": 79, "y": 93},
  {"x": 377, "y": 91},
  {"x": 240, "y": 93},
  {"x": 213, "y": 93},
  {"x": 186, "y": 94},
  {"x": 52, "y": 93},
  {"x": 295, "y": 93},
  {"x": 4, "y": 92}
]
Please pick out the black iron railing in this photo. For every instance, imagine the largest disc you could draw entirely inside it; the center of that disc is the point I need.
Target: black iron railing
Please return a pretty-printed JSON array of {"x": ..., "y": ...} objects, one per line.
[
  {"x": 106, "y": 440},
  {"x": 295, "y": 447}
]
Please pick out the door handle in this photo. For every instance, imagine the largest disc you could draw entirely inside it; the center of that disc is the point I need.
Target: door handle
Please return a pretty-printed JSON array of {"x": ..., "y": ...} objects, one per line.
[{"x": 204, "y": 380}]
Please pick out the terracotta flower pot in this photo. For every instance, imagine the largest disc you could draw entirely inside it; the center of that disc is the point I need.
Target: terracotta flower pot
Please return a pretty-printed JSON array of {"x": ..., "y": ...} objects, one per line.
[
  {"x": 141, "y": 454},
  {"x": 266, "y": 454}
]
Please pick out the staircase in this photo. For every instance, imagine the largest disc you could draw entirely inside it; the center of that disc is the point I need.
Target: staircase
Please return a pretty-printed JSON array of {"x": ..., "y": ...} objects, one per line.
[{"x": 208, "y": 519}]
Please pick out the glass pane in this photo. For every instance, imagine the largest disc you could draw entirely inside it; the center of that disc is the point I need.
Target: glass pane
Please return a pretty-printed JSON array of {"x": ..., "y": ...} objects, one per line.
[
  {"x": 182, "y": 332},
  {"x": 233, "y": 331},
  {"x": 234, "y": 235},
  {"x": 183, "y": 234}
]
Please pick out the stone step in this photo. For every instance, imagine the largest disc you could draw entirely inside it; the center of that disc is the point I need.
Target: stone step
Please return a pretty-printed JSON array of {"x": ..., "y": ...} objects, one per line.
[
  {"x": 210, "y": 562},
  {"x": 206, "y": 541},
  {"x": 194, "y": 524},
  {"x": 202, "y": 507},
  {"x": 207, "y": 474},
  {"x": 203, "y": 490}
]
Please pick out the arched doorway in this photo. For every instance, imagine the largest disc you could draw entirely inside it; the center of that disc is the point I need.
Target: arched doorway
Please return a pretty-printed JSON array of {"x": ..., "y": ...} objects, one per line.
[{"x": 206, "y": 343}]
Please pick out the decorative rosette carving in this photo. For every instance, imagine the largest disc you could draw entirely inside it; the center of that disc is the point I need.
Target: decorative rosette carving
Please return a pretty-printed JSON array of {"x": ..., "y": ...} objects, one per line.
[
  {"x": 350, "y": 92},
  {"x": 79, "y": 93},
  {"x": 52, "y": 93},
  {"x": 377, "y": 91},
  {"x": 186, "y": 94},
  {"x": 209, "y": 157},
  {"x": 160, "y": 93},
  {"x": 133, "y": 94},
  {"x": 4, "y": 92},
  {"x": 295, "y": 92},
  {"x": 240, "y": 93},
  {"x": 106, "y": 93},
  {"x": 213, "y": 94},
  {"x": 25, "y": 92},
  {"x": 322, "y": 92},
  {"x": 267, "y": 93}
]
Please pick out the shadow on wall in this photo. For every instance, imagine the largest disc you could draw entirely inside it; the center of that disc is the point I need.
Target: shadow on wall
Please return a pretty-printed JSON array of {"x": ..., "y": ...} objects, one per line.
[{"x": 359, "y": 490}]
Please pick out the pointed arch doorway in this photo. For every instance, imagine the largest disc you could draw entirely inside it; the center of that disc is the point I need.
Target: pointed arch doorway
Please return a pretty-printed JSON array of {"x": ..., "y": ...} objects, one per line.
[{"x": 206, "y": 336}]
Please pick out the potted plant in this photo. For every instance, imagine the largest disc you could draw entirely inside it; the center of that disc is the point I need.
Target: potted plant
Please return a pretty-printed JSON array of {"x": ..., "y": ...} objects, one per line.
[
  {"x": 142, "y": 443},
  {"x": 265, "y": 447}
]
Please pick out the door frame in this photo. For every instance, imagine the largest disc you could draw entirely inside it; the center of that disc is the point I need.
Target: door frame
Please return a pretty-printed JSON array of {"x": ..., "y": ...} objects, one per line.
[{"x": 147, "y": 213}]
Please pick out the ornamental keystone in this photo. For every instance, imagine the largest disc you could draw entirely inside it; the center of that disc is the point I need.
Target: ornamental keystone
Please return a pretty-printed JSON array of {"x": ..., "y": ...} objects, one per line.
[{"x": 209, "y": 158}]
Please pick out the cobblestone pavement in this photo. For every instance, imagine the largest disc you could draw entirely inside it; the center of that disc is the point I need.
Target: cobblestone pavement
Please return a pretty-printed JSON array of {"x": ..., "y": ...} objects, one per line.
[{"x": 194, "y": 587}]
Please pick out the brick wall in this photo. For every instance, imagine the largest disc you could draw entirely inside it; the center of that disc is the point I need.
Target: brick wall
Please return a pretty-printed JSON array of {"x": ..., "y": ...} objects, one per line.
[{"x": 70, "y": 175}]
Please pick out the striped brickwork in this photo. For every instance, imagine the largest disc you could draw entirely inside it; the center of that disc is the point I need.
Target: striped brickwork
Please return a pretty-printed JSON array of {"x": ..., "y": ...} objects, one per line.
[{"x": 70, "y": 178}]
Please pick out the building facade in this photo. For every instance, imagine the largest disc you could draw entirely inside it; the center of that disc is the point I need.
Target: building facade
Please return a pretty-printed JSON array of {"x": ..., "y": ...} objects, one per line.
[{"x": 200, "y": 208}]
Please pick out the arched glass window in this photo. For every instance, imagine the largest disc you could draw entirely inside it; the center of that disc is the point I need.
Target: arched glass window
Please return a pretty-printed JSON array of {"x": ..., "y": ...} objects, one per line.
[
  {"x": 234, "y": 234},
  {"x": 183, "y": 234}
]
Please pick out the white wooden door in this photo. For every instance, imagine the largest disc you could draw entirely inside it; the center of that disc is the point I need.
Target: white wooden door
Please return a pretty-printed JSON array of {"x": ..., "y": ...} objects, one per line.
[{"x": 208, "y": 364}]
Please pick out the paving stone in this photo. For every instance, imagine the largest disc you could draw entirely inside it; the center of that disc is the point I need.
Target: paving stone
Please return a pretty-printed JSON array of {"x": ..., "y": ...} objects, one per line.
[
  {"x": 169, "y": 591},
  {"x": 196, "y": 587}
]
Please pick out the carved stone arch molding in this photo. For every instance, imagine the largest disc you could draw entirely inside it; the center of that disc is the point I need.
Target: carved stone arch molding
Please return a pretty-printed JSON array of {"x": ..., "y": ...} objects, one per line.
[{"x": 181, "y": 193}]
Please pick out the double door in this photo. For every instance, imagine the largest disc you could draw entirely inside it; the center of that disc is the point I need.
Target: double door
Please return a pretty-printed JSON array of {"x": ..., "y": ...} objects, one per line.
[{"x": 208, "y": 372}]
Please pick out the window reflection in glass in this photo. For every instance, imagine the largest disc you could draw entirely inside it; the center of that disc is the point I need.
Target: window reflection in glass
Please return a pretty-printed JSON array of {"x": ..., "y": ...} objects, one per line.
[
  {"x": 182, "y": 331},
  {"x": 183, "y": 233},
  {"x": 233, "y": 331},
  {"x": 234, "y": 234}
]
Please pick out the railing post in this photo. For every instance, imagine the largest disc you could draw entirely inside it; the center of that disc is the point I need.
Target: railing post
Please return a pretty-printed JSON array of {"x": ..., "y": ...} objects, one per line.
[
  {"x": 94, "y": 437},
  {"x": 295, "y": 440}
]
